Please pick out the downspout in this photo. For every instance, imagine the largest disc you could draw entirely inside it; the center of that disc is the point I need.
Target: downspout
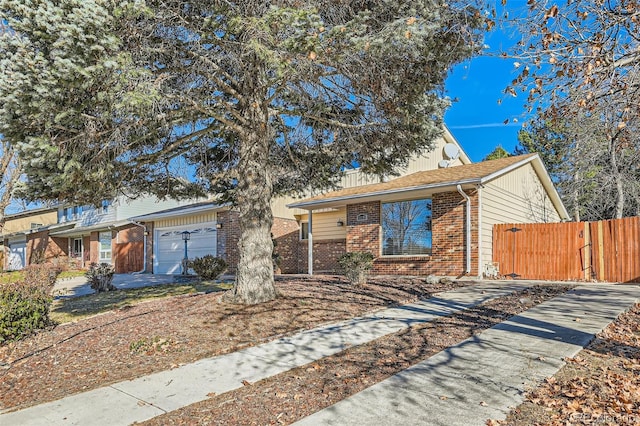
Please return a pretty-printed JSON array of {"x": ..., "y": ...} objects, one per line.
[
  {"x": 480, "y": 258},
  {"x": 468, "y": 227},
  {"x": 310, "y": 243},
  {"x": 144, "y": 247}
]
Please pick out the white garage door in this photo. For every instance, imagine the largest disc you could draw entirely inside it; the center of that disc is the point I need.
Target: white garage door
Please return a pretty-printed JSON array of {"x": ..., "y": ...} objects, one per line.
[
  {"x": 17, "y": 256},
  {"x": 169, "y": 246}
]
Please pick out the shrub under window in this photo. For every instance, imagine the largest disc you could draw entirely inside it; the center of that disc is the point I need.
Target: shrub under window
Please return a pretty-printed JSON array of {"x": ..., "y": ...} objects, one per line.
[{"x": 406, "y": 228}]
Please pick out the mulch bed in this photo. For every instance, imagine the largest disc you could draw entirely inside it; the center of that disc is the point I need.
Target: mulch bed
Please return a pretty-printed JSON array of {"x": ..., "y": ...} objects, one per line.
[
  {"x": 292, "y": 395},
  {"x": 158, "y": 335}
]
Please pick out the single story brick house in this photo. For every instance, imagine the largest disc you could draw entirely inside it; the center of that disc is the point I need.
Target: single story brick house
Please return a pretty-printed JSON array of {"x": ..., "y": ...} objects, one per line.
[{"x": 437, "y": 221}]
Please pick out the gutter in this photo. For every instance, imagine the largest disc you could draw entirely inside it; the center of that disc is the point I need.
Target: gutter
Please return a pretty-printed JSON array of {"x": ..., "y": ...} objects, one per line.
[
  {"x": 468, "y": 227},
  {"x": 308, "y": 205}
]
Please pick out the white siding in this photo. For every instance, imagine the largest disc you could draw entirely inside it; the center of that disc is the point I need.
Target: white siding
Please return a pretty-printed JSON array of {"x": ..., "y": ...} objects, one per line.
[
  {"x": 126, "y": 208},
  {"x": 325, "y": 224},
  {"x": 517, "y": 197},
  {"x": 193, "y": 219},
  {"x": 93, "y": 215}
]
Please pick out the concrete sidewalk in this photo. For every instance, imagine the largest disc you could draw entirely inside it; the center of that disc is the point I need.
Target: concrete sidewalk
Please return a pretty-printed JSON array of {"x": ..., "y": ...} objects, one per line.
[
  {"x": 479, "y": 379},
  {"x": 484, "y": 376},
  {"x": 79, "y": 286},
  {"x": 147, "y": 397}
]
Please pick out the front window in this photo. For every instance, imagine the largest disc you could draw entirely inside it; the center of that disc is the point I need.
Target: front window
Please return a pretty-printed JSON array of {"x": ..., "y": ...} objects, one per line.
[
  {"x": 105, "y": 247},
  {"x": 76, "y": 250},
  {"x": 304, "y": 230},
  {"x": 406, "y": 228}
]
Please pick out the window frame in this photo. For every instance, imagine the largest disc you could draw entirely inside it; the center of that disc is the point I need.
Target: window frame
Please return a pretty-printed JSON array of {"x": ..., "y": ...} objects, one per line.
[
  {"x": 304, "y": 236},
  {"x": 428, "y": 225},
  {"x": 101, "y": 250}
]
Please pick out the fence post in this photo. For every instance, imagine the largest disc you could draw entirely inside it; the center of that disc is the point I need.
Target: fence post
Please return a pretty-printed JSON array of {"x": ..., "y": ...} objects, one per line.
[
  {"x": 587, "y": 252},
  {"x": 601, "y": 271}
]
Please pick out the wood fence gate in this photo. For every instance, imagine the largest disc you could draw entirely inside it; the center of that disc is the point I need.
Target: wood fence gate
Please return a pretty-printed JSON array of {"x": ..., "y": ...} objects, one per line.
[
  {"x": 607, "y": 250},
  {"x": 129, "y": 257}
]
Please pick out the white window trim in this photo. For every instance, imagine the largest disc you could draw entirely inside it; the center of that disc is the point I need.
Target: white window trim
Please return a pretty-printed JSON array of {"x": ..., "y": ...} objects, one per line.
[{"x": 100, "y": 250}]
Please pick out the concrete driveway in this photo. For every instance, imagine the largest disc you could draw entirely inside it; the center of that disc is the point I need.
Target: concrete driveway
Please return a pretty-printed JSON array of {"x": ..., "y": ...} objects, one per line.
[{"x": 79, "y": 286}]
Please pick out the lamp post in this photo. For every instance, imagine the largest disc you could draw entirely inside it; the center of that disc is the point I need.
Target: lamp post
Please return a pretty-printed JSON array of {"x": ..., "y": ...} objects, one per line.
[{"x": 186, "y": 236}]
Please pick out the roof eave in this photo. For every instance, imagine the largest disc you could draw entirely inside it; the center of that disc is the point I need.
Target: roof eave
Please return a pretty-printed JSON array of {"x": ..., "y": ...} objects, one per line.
[
  {"x": 176, "y": 213},
  {"x": 310, "y": 205}
]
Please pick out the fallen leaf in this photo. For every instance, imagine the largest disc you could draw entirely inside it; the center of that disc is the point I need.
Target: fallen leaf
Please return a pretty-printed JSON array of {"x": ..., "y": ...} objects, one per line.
[
  {"x": 483, "y": 404},
  {"x": 246, "y": 383}
]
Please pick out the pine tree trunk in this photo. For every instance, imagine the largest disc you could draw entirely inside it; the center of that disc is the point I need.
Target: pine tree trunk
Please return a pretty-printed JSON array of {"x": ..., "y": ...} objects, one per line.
[{"x": 254, "y": 275}]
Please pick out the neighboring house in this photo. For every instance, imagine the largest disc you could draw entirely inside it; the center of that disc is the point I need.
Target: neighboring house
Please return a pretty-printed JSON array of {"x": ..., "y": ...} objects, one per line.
[
  {"x": 80, "y": 235},
  {"x": 104, "y": 234},
  {"x": 436, "y": 221},
  {"x": 212, "y": 229},
  {"x": 17, "y": 233}
]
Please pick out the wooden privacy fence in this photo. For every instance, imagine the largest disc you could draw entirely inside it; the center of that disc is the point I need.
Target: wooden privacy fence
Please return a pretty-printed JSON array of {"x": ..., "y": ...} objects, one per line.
[
  {"x": 129, "y": 257},
  {"x": 607, "y": 250}
]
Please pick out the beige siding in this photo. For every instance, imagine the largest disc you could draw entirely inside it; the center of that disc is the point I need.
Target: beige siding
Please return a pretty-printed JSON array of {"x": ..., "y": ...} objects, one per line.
[
  {"x": 24, "y": 223},
  {"x": 187, "y": 220},
  {"x": 517, "y": 197},
  {"x": 280, "y": 209},
  {"x": 325, "y": 224},
  {"x": 426, "y": 161}
]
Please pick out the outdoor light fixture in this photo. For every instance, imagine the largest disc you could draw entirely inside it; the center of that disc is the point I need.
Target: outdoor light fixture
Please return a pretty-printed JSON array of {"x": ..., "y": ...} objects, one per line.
[
  {"x": 340, "y": 222},
  {"x": 186, "y": 236},
  {"x": 218, "y": 225}
]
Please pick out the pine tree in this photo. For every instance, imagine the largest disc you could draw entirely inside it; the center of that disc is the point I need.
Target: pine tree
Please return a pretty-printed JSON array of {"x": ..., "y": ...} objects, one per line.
[{"x": 256, "y": 98}]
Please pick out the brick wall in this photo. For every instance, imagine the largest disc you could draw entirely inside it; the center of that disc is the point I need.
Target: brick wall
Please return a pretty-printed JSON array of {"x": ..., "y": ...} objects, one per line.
[
  {"x": 131, "y": 234},
  {"x": 286, "y": 234},
  {"x": 363, "y": 228},
  {"x": 150, "y": 234},
  {"x": 94, "y": 247},
  {"x": 227, "y": 239},
  {"x": 448, "y": 257},
  {"x": 325, "y": 256},
  {"x": 55, "y": 249}
]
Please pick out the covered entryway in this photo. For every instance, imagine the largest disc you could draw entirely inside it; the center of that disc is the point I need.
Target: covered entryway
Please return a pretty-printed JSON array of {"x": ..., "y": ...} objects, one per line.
[
  {"x": 17, "y": 255},
  {"x": 169, "y": 246}
]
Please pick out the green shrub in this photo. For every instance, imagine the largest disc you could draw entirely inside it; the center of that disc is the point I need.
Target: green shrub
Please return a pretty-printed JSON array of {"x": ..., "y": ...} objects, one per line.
[
  {"x": 25, "y": 304},
  {"x": 356, "y": 265},
  {"x": 208, "y": 267},
  {"x": 100, "y": 277}
]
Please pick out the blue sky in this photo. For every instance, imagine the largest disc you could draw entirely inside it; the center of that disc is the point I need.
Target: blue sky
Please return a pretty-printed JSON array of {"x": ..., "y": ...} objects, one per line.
[{"x": 477, "y": 119}]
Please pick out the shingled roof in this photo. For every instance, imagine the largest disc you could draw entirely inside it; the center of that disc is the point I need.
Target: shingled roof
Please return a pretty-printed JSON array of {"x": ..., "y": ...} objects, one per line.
[{"x": 475, "y": 173}]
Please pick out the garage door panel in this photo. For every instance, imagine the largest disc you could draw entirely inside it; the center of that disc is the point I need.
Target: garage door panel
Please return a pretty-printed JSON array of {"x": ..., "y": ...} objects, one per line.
[
  {"x": 170, "y": 246},
  {"x": 17, "y": 256}
]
